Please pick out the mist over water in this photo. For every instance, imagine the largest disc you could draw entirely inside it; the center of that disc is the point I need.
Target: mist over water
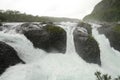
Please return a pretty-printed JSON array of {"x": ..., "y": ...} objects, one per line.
[{"x": 69, "y": 66}]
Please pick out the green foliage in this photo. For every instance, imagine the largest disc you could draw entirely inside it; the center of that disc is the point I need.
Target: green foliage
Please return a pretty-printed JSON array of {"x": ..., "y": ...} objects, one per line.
[
  {"x": 90, "y": 38},
  {"x": 116, "y": 34},
  {"x": 16, "y": 16},
  {"x": 101, "y": 76},
  {"x": 117, "y": 28},
  {"x": 91, "y": 42},
  {"x": 106, "y": 10},
  {"x": 54, "y": 29}
]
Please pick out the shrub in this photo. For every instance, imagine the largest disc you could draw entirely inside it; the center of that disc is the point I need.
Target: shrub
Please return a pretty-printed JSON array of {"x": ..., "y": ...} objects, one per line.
[
  {"x": 101, "y": 76},
  {"x": 117, "y": 28}
]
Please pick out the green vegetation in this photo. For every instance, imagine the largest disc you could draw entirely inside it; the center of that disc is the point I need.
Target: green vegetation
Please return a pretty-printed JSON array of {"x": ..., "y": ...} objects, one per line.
[
  {"x": 116, "y": 35},
  {"x": 106, "y": 10},
  {"x": 90, "y": 38},
  {"x": 117, "y": 28},
  {"x": 93, "y": 47},
  {"x": 104, "y": 76},
  {"x": 54, "y": 29},
  {"x": 16, "y": 16}
]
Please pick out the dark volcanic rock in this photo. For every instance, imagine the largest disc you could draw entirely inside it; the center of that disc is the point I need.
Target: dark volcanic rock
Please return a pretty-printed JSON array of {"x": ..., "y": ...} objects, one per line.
[
  {"x": 8, "y": 57},
  {"x": 112, "y": 32},
  {"x": 86, "y": 46},
  {"x": 50, "y": 38}
]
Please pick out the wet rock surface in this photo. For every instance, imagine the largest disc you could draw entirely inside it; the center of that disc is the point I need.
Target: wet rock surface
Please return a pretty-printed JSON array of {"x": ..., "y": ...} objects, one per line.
[
  {"x": 86, "y": 46},
  {"x": 112, "y": 32},
  {"x": 49, "y": 37},
  {"x": 8, "y": 57}
]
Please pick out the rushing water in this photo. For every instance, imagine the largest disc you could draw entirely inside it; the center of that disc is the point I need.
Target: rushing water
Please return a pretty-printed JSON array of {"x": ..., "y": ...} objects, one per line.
[
  {"x": 42, "y": 66},
  {"x": 109, "y": 57},
  {"x": 69, "y": 28}
]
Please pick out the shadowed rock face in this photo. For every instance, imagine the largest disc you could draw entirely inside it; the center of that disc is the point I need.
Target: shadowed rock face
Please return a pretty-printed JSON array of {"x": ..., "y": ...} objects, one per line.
[
  {"x": 86, "y": 46},
  {"x": 112, "y": 32},
  {"x": 0, "y": 24},
  {"x": 1, "y": 27},
  {"x": 8, "y": 57},
  {"x": 50, "y": 38}
]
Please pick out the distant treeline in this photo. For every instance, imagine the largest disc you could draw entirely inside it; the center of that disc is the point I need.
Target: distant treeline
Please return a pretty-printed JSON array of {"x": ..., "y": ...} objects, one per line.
[{"x": 16, "y": 16}]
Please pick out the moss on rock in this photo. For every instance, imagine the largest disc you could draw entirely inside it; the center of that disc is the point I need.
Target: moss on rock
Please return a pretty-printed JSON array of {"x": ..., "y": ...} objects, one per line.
[
  {"x": 50, "y": 38},
  {"x": 117, "y": 28},
  {"x": 53, "y": 29},
  {"x": 86, "y": 46}
]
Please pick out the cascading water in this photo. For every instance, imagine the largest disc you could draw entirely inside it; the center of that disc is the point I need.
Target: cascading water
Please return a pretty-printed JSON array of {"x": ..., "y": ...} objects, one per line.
[
  {"x": 24, "y": 47},
  {"x": 42, "y": 66},
  {"x": 109, "y": 57},
  {"x": 69, "y": 28},
  {"x": 10, "y": 27}
]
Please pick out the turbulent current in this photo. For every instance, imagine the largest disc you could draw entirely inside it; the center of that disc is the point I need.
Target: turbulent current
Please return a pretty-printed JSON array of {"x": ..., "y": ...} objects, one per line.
[{"x": 69, "y": 66}]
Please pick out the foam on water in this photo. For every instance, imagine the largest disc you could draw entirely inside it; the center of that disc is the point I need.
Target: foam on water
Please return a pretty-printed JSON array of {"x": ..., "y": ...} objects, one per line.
[
  {"x": 69, "y": 28},
  {"x": 109, "y": 57},
  {"x": 42, "y": 66},
  {"x": 23, "y": 46}
]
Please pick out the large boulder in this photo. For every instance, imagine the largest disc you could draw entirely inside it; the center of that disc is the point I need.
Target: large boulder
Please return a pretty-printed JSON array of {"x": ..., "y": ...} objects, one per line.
[
  {"x": 112, "y": 32},
  {"x": 8, "y": 57},
  {"x": 50, "y": 38},
  {"x": 86, "y": 26},
  {"x": 27, "y": 27},
  {"x": 86, "y": 46}
]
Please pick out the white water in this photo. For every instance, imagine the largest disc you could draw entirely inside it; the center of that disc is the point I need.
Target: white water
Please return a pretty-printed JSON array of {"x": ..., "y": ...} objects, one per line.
[
  {"x": 109, "y": 57},
  {"x": 42, "y": 66},
  {"x": 11, "y": 28},
  {"x": 24, "y": 47},
  {"x": 69, "y": 28}
]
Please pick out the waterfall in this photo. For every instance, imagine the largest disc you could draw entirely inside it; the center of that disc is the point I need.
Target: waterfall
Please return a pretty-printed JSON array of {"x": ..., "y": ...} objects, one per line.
[
  {"x": 109, "y": 57},
  {"x": 22, "y": 45},
  {"x": 43, "y": 66},
  {"x": 69, "y": 28}
]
